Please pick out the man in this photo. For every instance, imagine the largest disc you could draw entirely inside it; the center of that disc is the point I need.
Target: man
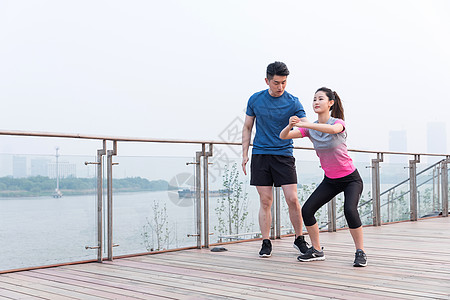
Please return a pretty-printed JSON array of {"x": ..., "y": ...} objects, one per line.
[{"x": 273, "y": 163}]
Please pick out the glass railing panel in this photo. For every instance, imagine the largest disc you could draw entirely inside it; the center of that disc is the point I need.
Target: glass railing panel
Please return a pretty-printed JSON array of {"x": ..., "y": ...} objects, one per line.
[
  {"x": 428, "y": 190},
  {"x": 153, "y": 203},
  {"x": 38, "y": 226},
  {"x": 309, "y": 176},
  {"x": 362, "y": 162},
  {"x": 233, "y": 202},
  {"x": 394, "y": 188}
]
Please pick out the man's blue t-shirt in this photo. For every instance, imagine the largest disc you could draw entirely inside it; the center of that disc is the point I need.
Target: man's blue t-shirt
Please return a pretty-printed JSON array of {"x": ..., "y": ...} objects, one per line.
[{"x": 272, "y": 115}]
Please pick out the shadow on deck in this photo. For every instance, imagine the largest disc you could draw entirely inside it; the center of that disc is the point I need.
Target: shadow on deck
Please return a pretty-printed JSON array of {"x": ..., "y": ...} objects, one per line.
[{"x": 409, "y": 260}]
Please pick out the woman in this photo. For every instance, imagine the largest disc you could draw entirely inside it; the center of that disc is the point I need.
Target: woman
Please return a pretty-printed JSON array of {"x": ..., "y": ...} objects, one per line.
[{"x": 328, "y": 136}]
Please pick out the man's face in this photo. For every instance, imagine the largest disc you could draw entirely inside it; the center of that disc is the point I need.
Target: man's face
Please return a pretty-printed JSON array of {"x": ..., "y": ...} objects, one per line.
[{"x": 276, "y": 85}]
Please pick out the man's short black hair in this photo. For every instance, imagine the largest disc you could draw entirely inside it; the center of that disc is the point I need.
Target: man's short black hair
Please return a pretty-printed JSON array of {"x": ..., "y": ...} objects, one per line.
[{"x": 276, "y": 68}]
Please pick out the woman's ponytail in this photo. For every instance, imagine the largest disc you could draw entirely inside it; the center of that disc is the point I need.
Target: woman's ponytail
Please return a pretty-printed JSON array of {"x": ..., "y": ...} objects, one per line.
[{"x": 337, "y": 110}]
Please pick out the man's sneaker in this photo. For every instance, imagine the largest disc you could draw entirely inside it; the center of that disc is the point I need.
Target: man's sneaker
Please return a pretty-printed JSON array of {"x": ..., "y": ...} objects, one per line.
[
  {"x": 300, "y": 244},
  {"x": 312, "y": 255},
  {"x": 360, "y": 259},
  {"x": 266, "y": 248}
]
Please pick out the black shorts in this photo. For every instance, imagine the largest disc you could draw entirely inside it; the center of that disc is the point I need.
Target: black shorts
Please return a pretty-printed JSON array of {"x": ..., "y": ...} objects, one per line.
[{"x": 272, "y": 170}]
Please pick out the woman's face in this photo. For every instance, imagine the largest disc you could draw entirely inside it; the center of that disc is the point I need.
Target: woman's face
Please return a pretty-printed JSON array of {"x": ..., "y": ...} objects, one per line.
[{"x": 321, "y": 103}]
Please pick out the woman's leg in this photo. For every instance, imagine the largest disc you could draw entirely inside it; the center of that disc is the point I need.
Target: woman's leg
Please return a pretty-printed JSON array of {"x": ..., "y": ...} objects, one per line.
[
  {"x": 352, "y": 194},
  {"x": 323, "y": 194},
  {"x": 357, "y": 235}
]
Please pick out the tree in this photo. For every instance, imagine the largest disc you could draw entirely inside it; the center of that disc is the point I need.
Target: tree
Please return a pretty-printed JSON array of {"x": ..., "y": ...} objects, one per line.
[
  {"x": 156, "y": 231},
  {"x": 232, "y": 210}
]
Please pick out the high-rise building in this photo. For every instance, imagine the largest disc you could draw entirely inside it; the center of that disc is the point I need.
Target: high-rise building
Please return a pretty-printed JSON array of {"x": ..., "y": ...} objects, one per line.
[
  {"x": 39, "y": 167},
  {"x": 436, "y": 137},
  {"x": 398, "y": 143},
  {"x": 436, "y": 140},
  {"x": 6, "y": 164},
  {"x": 65, "y": 169},
  {"x": 19, "y": 166}
]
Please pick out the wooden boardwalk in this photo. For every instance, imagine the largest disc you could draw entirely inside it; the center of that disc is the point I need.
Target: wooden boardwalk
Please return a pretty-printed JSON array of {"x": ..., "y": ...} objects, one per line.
[{"x": 409, "y": 260}]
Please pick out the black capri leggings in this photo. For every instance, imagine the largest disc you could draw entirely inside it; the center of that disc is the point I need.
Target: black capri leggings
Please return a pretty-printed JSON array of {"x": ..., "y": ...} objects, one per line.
[{"x": 352, "y": 187}]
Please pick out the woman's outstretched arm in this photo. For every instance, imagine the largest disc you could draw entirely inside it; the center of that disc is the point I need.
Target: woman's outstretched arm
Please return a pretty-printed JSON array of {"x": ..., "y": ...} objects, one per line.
[{"x": 326, "y": 128}]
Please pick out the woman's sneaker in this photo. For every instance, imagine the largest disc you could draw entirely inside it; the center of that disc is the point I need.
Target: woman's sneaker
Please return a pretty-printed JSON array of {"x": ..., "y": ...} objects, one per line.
[
  {"x": 360, "y": 259},
  {"x": 300, "y": 244},
  {"x": 312, "y": 255},
  {"x": 266, "y": 248}
]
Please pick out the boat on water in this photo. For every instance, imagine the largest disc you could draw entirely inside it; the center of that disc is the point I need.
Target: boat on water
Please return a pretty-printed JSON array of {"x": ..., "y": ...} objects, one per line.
[{"x": 57, "y": 194}]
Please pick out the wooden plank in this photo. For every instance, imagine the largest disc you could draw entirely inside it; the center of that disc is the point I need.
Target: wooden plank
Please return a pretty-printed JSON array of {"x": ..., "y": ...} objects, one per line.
[
  {"x": 54, "y": 282},
  {"x": 129, "y": 287},
  {"x": 207, "y": 286},
  {"x": 28, "y": 291},
  {"x": 56, "y": 291},
  {"x": 9, "y": 294},
  {"x": 236, "y": 279},
  {"x": 303, "y": 270},
  {"x": 312, "y": 285},
  {"x": 400, "y": 267},
  {"x": 93, "y": 285}
]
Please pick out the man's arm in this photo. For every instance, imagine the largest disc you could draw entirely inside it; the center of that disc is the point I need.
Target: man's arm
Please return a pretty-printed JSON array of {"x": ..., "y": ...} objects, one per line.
[{"x": 246, "y": 135}]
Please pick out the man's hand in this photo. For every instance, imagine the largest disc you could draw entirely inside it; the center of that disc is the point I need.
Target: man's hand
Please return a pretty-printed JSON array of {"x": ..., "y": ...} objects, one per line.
[{"x": 244, "y": 163}]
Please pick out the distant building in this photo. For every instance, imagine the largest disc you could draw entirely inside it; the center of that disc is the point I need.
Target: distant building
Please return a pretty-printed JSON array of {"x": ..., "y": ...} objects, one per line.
[
  {"x": 39, "y": 167},
  {"x": 398, "y": 143},
  {"x": 65, "y": 170},
  {"x": 6, "y": 165},
  {"x": 436, "y": 139},
  {"x": 19, "y": 166}
]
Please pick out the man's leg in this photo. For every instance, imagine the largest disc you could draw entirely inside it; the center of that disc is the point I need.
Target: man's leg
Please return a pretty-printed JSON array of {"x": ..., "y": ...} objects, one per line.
[
  {"x": 295, "y": 212},
  {"x": 265, "y": 204}
]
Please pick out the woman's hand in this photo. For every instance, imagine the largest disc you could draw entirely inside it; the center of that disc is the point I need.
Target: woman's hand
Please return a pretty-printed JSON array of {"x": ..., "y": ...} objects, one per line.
[{"x": 293, "y": 121}]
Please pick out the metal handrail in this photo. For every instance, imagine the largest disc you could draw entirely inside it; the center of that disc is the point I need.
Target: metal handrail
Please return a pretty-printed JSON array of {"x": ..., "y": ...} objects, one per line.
[{"x": 176, "y": 141}]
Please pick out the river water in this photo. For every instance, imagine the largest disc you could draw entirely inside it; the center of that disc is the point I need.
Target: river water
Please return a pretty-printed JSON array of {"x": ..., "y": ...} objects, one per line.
[
  {"x": 38, "y": 231},
  {"x": 44, "y": 230}
]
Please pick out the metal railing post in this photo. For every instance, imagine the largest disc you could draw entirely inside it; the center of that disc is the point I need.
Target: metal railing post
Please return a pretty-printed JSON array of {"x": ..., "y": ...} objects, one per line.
[
  {"x": 198, "y": 198},
  {"x": 413, "y": 187},
  {"x": 278, "y": 213},
  {"x": 99, "y": 163},
  {"x": 444, "y": 178},
  {"x": 376, "y": 189},
  {"x": 206, "y": 193},
  {"x": 434, "y": 189},
  {"x": 438, "y": 187},
  {"x": 390, "y": 206},
  {"x": 110, "y": 154},
  {"x": 331, "y": 209},
  {"x": 100, "y": 153}
]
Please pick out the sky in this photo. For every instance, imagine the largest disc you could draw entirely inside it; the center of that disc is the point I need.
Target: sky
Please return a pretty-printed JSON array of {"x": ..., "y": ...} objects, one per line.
[{"x": 185, "y": 69}]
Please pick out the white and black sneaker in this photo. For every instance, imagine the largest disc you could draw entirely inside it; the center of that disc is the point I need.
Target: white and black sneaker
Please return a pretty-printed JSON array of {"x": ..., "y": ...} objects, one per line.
[
  {"x": 300, "y": 244},
  {"x": 360, "y": 259},
  {"x": 312, "y": 255},
  {"x": 266, "y": 248}
]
